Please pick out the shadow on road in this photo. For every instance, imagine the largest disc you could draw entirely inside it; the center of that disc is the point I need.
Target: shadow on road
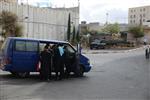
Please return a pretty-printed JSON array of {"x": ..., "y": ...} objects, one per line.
[{"x": 9, "y": 79}]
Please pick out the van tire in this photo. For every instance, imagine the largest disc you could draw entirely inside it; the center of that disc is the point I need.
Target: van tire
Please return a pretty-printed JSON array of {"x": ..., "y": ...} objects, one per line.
[
  {"x": 14, "y": 73},
  {"x": 80, "y": 72},
  {"x": 24, "y": 74}
]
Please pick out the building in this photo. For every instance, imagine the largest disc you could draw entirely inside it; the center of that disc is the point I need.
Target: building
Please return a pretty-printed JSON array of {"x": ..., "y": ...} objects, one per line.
[
  {"x": 123, "y": 27},
  {"x": 43, "y": 23},
  {"x": 147, "y": 23},
  {"x": 83, "y": 27},
  {"x": 92, "y": 26},
  {"x": 95, "y": 26},
  {"x": 138, "y": 15}
]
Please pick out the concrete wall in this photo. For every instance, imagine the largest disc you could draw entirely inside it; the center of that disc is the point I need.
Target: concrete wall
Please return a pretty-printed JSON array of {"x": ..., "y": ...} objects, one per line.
[
  {"x": 43, "y": 23},
  {"x": 9, "y": 1}
]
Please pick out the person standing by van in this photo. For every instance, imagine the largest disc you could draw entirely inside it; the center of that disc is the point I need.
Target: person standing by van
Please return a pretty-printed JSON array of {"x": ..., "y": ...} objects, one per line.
[
  {"x": 51, "y": 60},
  {"x": 147, "y": 52},
  {"x": 45, "y": 58},
  {"x": 59, "y": 61},
  {"x": 67, "y": 61},
  {"x": 55, "y": 60}
]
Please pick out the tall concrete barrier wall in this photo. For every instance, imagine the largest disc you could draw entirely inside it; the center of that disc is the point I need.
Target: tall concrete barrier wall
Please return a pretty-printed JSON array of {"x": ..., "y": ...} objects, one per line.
[{"x": 43, "y": 23}]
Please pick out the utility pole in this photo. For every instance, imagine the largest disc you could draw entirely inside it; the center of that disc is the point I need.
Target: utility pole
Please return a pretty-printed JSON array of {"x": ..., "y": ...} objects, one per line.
[
  {"x": 141, "y": 20},
  {"x": 79, "y": 8},
  {"x": 107, "y": 18},
  {"x": 79, "y": 15},
  {"x": 33, "y": 22},
  {"x": 27, "y": 18}
]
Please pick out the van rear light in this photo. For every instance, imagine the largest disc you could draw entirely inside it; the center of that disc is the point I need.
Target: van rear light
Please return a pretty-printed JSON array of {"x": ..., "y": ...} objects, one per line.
[
  {"x": 38, "y": 67},
  {"x": 7, "y": 61}
]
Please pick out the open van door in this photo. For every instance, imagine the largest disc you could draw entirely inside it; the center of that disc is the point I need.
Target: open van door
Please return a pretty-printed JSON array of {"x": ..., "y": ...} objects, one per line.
[
  {"x": 79, "y": 67},
  {"x": 72, "y": 60}
]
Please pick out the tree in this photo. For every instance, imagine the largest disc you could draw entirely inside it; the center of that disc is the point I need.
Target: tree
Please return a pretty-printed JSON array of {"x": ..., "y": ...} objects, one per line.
[
  {"x": 69, "y": 28},
  {"x": 73, "y": 35},
  {"x": 111, "y": 28},
  {"x": 9, "y": 25},
  {"x": 18, "y": 30},
  {"x": 78, "y": 36},
  {"x": 137, "y": 31}
]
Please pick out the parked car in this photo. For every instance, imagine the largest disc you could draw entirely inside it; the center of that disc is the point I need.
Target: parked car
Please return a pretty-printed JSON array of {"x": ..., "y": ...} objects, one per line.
[{"x": 98, "y": 44}]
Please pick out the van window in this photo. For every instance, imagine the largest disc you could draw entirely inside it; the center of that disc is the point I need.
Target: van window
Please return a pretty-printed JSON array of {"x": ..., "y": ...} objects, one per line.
[
  {"x": 26, "y": 46},
  {"x": 20, "y": 46},
  {"x": 70, "y": 49},
  {"x": 31, "y": 46},
  {"x": 41, "y": 47}
]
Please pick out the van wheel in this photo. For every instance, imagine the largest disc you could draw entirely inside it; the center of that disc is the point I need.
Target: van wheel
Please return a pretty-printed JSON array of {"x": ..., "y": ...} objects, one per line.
[
  {"x": 13, "y": 73},
  {"x": 24, "y": 74},
  {"x": 80, "y": 72}
]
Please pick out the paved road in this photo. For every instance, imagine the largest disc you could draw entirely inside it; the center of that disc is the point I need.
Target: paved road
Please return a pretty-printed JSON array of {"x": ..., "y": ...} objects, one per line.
[{"x": 114, "y": 76}]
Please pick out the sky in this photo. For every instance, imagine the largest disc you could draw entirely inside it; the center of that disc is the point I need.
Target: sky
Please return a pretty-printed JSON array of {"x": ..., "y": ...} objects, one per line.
[{"x": 96, "y": 10}]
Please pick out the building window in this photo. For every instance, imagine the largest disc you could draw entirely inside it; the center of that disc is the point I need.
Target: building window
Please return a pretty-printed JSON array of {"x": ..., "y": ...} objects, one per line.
[
  {"x": 134, "y": 21},
  {"x": 131, "y": 21},
  {"x": 143, "y": 20},
  {"x": 140, "y": 10},
  {"x": 143, "y": 15},
  {"x": 143, "y": 9},
  {"x": 140, "y": 15},
  {"x": 134, "y": 16},
  {"x": 130, "y": 16},
  {"x": 131, "y": 10},
  {"x": 134, "y": 10}
]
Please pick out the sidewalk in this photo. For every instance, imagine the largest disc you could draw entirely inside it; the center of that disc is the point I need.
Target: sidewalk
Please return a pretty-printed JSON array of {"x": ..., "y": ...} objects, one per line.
[{"x": 103, "y": 51}]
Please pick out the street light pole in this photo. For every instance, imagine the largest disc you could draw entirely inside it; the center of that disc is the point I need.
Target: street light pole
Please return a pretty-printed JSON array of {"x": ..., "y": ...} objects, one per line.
[
  {"x": 27, "y": 18},
  {"x": 107, "y": 18}
]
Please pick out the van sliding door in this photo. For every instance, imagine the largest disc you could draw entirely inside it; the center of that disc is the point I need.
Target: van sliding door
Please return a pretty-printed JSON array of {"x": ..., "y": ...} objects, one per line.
[{"x": 25, "y": 56}]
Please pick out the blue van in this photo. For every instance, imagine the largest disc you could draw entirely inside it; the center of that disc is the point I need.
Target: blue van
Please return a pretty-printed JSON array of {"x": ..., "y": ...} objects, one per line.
[{"x": 20, "y": 56}]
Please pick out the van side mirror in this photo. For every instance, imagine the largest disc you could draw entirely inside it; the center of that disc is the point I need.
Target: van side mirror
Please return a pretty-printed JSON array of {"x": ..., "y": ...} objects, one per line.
[{"x": 78, "y": 48}]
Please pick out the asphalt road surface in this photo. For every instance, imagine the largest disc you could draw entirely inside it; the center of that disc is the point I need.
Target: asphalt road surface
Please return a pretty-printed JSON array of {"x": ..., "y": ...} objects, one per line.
[{"x": 114, "y": 76}]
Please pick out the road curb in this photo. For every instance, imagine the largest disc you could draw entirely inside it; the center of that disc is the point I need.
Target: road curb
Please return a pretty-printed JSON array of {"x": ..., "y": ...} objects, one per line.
[{"x": 110, "y": 51}]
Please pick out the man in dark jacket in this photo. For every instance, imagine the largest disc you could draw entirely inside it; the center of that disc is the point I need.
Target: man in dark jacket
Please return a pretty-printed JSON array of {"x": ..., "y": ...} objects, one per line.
[
  {"x": 67, "y": 61},
  {"x": 59, "y": 61},
  {"x": 45, "y": 58}
]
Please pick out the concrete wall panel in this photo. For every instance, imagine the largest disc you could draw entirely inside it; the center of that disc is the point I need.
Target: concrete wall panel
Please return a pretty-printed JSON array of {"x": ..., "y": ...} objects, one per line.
[{"x": 43, "y": 23}]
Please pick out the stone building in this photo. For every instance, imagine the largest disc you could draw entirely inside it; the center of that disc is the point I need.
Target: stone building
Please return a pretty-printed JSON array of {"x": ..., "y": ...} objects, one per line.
[{"x": 138, "y": 15}]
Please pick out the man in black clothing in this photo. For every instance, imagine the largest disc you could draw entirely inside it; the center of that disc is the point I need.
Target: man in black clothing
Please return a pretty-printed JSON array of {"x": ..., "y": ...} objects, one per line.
[
  {"x": 45, "y": 58},
  {"x": 67, "y": 61},
  {"x": 55, "y": 60},
  {"x": 59, "y": 61}
]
